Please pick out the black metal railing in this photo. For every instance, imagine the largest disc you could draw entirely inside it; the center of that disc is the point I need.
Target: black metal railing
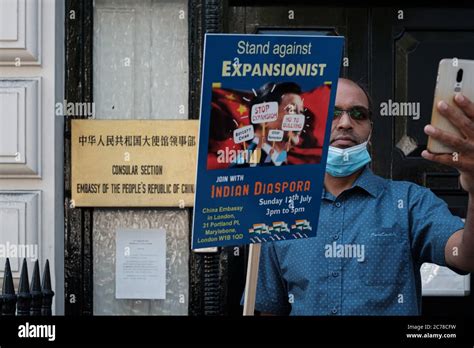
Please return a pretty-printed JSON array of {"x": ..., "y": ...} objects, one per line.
[{"x": 33, "y": 299}]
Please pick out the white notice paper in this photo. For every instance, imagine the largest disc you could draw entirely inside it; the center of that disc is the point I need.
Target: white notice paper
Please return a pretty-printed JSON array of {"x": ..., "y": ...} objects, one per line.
[{"x": 140, "y": 267}]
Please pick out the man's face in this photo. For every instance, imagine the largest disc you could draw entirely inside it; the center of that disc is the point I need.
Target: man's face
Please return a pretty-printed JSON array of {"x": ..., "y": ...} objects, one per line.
[{"x": 347, "y": 132}]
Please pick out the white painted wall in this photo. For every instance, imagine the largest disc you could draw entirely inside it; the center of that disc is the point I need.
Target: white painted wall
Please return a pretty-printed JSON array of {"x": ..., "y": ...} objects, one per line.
[{"x": 33, "y": 31}]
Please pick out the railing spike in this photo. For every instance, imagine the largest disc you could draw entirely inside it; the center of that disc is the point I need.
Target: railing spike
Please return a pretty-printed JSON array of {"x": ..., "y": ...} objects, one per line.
[
  {"x": 48, "y": 293},
  {"x": 24, "y": 295},
  {"x": 8, "y": 291},
  {"x": 36, "y": 294}
]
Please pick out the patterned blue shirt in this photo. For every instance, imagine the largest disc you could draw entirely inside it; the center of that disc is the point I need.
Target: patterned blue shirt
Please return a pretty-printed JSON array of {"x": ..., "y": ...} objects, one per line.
[{"x": 366, "y": 257}]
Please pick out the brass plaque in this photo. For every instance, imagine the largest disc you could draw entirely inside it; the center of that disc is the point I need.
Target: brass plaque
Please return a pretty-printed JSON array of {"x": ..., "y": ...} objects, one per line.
[{"x": 133, "y": 163}]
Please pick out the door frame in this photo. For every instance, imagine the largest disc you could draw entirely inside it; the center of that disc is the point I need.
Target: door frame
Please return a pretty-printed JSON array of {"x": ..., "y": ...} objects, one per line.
[{"x": 203, "y": 16}]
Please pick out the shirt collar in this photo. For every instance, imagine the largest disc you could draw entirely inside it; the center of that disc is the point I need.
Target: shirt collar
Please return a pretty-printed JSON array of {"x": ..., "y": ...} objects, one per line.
[{"x": 367, "y": 180}]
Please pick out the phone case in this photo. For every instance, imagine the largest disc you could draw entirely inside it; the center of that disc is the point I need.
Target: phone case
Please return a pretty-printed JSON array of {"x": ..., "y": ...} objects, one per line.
[{"x": 446, "y": 87}]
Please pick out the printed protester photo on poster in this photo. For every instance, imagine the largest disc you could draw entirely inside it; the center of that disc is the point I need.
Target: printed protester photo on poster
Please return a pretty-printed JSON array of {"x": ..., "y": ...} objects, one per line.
[{"x": 266, "y": 112}]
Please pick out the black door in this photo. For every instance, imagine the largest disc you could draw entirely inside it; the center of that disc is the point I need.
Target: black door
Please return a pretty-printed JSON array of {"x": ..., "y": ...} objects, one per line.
[
  {"x": 395, "y": 52},
  {"x": 259, "y": 17},
  {"x": 407, "y": 46}
]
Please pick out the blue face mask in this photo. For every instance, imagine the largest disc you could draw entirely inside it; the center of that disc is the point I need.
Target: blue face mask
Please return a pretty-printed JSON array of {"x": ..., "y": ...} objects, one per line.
[{"x": 344, "y": 162}]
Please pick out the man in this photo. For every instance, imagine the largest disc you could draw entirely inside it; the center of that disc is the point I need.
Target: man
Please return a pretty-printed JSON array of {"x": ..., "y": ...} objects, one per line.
[{"x": 373, "y": 233}]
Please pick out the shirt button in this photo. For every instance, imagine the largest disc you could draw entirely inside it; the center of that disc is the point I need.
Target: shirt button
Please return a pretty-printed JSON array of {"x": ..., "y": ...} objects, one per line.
[
  {"x": 334, "y": 310},
  {"x": 335, "y": 237},
  {"x": 337, "y": 204},
  {"x": 335, "y": 274}
]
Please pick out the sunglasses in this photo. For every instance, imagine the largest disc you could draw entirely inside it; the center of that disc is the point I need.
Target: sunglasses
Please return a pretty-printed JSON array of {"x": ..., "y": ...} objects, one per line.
[{"x": 358, "y": 113}]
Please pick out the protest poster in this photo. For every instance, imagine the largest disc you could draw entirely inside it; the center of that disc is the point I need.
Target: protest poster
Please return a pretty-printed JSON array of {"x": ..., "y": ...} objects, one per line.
[{"x": 266, "y": 111}]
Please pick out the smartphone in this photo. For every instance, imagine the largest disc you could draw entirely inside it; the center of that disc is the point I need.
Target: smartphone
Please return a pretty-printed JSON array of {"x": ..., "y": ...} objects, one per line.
[{"x": 454, "y": 76}]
